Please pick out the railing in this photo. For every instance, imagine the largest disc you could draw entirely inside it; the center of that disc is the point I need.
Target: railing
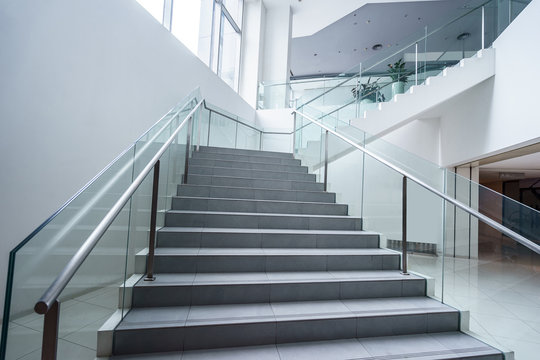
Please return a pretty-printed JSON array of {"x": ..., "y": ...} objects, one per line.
[
  {"x": 93, "y": 244},
  {"x": 478, "y": 249},
  {"x": 423, "y": 54}
]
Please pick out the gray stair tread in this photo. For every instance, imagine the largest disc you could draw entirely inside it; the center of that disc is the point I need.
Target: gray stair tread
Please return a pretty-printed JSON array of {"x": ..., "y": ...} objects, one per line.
[
  {"x": 446, "y": 345},
  {"x": 249, "y": 178},
  {"x": 253, "y": 188},
  {"x": 243, "y": 169},
  {"x": 219, "y": 150},
  {"x": 265, "y": 231},
  {"x": 271, "y": 251},
  {"x": 274, "y": 277},
  {"x": 258, "y": 214},
  {"x": 254, "y": 200},
  {"x": 272, "y": 312}
]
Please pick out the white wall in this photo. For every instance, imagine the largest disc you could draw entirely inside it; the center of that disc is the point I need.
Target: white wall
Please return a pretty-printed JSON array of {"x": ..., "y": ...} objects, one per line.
[
  {"x": 502, "y": 114},
  {"x": 80, "y": 80}
]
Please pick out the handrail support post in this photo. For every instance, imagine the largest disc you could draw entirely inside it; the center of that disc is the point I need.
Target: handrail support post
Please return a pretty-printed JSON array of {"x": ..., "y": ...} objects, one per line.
[
  {"x": 50, "y": 332},
  {"x": 188, "y": 147},
  {"x": 404, "y": 228},
  {"x": 326, "y": 161},
  {"x": 152, "y": 237}
]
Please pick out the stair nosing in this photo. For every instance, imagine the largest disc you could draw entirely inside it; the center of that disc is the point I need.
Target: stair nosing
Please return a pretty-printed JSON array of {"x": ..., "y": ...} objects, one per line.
[
  {"x": 260, "y": 214},
  {"x": 258, "y": 200},
  {"x": 250, "y": 178},
  {"x": 255, "y": 189},
  {"x": 267, "y": 231},
  {"x": 242, "y": 169}
]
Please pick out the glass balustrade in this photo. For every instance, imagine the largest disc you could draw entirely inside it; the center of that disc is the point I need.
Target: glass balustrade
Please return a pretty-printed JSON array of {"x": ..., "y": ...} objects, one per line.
[
  {"x": 99, "y": 294},
  {"x": 469, "y": 265},
  {"x": 394, "y": 69}
]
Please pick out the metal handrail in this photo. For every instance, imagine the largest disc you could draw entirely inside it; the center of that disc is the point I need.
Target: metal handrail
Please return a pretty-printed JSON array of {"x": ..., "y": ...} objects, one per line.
[
  {"x": 61, "y": 281},
  {"x": 409, "y": 44},
  {"x": 503, "y": 229}
]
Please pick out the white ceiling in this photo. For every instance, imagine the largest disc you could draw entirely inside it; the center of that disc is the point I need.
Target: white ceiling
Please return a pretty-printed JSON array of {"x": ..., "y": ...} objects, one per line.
[{"x": 347, "y": 42}]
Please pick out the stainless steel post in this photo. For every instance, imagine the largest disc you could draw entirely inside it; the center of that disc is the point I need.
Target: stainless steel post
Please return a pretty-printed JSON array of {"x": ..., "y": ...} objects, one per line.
[
  {"x": 188, "y": 145},
  {"x": 50, "y": 332},
  {"x": 404, "y": 228},
  {"x": 152, "y": 238},
  {"x": 326, "y": 160}
]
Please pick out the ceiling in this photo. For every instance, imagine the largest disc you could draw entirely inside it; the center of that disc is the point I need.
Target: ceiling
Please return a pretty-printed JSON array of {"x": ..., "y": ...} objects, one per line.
[
  {"x": 347, "y": 42},
  {"x": 521, "y": 167}
]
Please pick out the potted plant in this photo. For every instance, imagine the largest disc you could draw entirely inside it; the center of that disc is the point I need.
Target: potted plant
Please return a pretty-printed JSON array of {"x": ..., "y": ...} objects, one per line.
[
  {"x": 398, "y": 74},
  {"x": 367, "y": 92}
]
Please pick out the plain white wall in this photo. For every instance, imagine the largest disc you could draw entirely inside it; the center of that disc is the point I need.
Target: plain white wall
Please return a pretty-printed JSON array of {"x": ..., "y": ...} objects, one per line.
[{"x": 80, "y": 81}]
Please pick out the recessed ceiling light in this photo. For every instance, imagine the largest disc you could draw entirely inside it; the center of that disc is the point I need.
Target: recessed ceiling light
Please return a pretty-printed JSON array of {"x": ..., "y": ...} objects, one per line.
[
  {"x": 368, "y": 21},
  {"x": 354, "y": 15},
  {"x": 405, "y": 15},
  {"x": 365, "y": 49},
  {"x": 355, "y": 23},
  {"x": 315, "y": 54},
  {"x": 463, "y": 36},
  {"x": 354, "y": 49},
  {"x": 377, "y": 47}
]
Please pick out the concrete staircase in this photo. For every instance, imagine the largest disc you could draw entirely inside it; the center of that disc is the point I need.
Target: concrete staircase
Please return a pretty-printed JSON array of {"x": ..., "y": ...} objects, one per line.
[{"x": 256, "y": 261}]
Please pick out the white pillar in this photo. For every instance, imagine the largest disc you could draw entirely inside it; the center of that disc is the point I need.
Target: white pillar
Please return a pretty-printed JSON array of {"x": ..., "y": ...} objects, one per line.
[
  {"x": 252, "y": 54},
  {"x": 276, "y": 56}
]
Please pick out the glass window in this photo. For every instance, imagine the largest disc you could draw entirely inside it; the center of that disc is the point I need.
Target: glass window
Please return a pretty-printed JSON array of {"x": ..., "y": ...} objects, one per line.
[
  {"x": 186, "y": 18},
  {"x": 154, "y": 7},
  {"x": 229, "y": 55},
  {"x": 235, "y": 7},
  {"x": 205, "y": 30}
]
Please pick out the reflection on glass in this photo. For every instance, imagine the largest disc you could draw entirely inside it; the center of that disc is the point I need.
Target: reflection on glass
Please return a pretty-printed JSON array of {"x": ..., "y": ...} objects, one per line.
[{"x": 229, "y": 55}]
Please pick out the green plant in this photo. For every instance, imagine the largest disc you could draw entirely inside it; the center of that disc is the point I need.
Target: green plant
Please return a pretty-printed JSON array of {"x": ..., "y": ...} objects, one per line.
[
  {"x": 367, "y": 90},
  {"x": 397, "y": 71}
]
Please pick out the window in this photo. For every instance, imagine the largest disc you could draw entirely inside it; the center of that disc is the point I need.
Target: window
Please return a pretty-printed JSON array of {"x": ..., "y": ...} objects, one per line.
[{"x": 212, "y": 29}]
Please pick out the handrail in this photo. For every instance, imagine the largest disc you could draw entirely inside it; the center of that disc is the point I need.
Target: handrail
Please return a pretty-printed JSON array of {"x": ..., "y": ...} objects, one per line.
[
  {"x": 503, "y": 229},
  {"x": 55, "y": 289},
  {"x": 409, "y": 44}
]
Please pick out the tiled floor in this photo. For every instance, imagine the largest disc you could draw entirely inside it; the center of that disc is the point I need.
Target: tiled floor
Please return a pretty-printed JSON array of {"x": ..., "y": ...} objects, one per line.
[
  {"x": 80, "y": 319},
  {"x": 502, "y": 295}
]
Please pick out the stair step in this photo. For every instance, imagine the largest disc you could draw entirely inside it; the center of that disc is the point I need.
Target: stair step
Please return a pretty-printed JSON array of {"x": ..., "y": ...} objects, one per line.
[
  {"x": 264, "y": 238},
  {"x": 254, "y": 193},
  {"x": 216, "y": 219},
  {"x": 248, "y": 158},
  {"x": 428, "y": 346},
  {"x": 254, "y": 183},
  {"x": 210, "y": 326},
  {"x": 257, "y": 206},
  {"x": 247, "y": 165},
  {"x": 196, "y": 260},
  {"x": 259, "y": 287},
  {"x": 250, "y": 173},
  {"x": 221, "y": 150}
]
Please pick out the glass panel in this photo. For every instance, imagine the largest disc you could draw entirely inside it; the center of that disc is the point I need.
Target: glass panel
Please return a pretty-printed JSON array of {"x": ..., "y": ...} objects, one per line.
[
  {"x": 229, "y": 55},
  {"x": 205, "y": 31},
  {"x": 154, "y": 7},
  {"x": 96, "y": 291},
  {"x": 222, "y": 131},
  {"x": 235, "y": 7},
  {"x": 499, "y": 287},
  {"x": 186, "y": 22},
  {"x": 247, "y": 138},
  {"x": 39, "y": 261}
]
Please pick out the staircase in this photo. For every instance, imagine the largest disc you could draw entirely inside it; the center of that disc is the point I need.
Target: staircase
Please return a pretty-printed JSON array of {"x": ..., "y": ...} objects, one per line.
[
  {"x": 256, "y": 261},
  {"x": 423, "y": 101}
]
